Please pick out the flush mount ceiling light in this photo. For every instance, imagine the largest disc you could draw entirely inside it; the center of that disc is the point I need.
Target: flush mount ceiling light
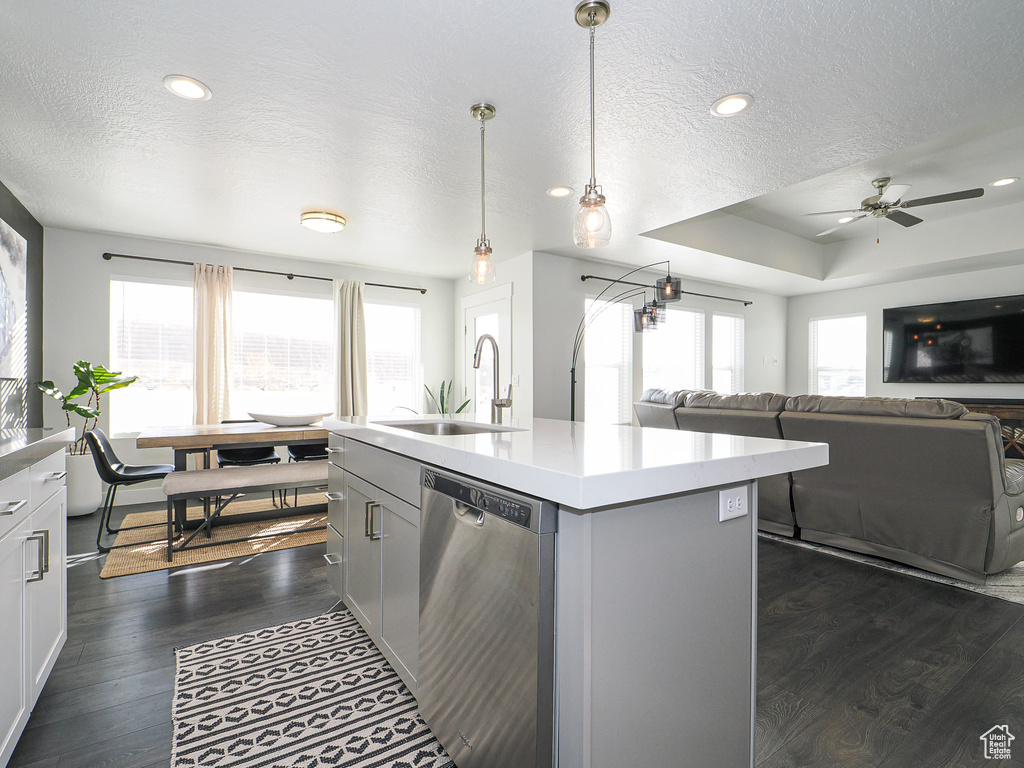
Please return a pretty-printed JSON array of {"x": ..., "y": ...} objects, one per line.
[
  {"x": 1004, "y": 182},
  {"x": 481, "y": 269},
  {"x": 592, "y": 227},
  {"x": 731, "y": 105},
  {"x": 560, "y": 191},
  {"x": 187, "y": 88},
  {"x": 322, "y": 221}
]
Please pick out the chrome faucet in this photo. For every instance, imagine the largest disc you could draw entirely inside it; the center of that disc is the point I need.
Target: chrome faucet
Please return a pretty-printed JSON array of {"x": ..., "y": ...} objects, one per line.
[{"x": 497, "y": 402}]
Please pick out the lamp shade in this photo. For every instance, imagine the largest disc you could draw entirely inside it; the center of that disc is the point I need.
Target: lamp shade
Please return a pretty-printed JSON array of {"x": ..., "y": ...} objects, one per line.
[
  {"x": 481, "y": 269},
  {"x": 644, "y": 319},
  {"x": 669, "y": 289},
  {"x": 593, "y": 225}
]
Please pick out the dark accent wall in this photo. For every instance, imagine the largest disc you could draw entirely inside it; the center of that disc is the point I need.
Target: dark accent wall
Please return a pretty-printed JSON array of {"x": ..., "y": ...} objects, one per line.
[{"x": 17, "y": 215}]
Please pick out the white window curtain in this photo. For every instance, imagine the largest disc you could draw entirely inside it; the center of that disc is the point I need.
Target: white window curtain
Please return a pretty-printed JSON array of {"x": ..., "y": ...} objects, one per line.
[
  {"x": 350, "y": 348},
  {"x": 212, "y": 306}
]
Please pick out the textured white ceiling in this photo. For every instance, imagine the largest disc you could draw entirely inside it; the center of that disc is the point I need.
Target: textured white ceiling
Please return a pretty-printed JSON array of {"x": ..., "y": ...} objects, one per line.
[{"x": 362, "y": 107}]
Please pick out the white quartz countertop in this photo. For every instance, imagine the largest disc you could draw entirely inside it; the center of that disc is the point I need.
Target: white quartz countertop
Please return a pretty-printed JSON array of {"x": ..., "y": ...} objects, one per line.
[{"x": 590, "y": 466}]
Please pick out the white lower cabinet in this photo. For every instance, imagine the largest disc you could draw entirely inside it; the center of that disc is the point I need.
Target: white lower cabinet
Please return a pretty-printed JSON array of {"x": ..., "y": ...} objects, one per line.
[
  {"x": 379, "y": 543},
  {"x": 33, "y": 591}
]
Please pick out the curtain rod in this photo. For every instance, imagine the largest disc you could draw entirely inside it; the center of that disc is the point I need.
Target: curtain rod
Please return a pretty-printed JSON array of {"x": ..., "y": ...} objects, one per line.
[
  {"x": 289, "y": 275},
  {"x": 744, "y": 302}
]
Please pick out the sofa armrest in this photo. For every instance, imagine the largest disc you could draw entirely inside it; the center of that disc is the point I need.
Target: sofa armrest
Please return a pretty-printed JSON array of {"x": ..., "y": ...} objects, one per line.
[{"x": 1014, "y": 474}]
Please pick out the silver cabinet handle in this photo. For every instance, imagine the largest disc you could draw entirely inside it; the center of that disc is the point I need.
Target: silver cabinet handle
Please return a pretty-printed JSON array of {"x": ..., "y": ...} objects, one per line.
[
  {"x": 366, "y": 519},
  {"x": 375, "y": 535},
  {"x": 12, "y": 507},
  {"x": 334, "y": 451},
  {"x": 55, "y": 476},
  {"x": 332, "y": 559},
  {"x": 44, "y": 549},
  {"x": 37, "y": 536},
  {"x": 331, "y": 496}
]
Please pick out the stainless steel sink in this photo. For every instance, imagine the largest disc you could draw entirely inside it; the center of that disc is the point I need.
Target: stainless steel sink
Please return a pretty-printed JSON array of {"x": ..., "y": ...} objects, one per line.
[{"x": 444, "y": 427}]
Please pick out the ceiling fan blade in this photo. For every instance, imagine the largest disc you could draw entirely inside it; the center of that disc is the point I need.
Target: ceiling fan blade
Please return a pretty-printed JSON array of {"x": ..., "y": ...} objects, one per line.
[
  {"x": 966, "y": 194},
  {"x": 893, "y": 193},
  {"x": 840, "y": 226},
  {"x": 903, "y": 219},
  {"x": 833, "y": 213}
]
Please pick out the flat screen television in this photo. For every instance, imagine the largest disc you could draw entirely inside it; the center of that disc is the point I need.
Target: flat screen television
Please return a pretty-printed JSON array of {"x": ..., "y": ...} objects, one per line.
[{"x": 981, "y": 340}]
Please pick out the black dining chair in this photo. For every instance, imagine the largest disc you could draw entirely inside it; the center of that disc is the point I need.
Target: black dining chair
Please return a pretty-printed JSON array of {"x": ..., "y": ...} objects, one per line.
[
  {"x": 248, "y": 457},
  {"x": 116, "y": 473},
  {"x": 306, "y": 452}
]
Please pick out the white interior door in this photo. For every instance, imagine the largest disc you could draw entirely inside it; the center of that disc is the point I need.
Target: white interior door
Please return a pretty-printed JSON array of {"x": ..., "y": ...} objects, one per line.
[{"x": 493, "y": 316}]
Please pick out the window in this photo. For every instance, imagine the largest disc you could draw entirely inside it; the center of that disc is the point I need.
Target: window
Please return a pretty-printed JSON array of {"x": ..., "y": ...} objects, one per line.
[
  {"x": 674, "y": 352},
  {"x": 837, "y": 352},
  {"x": 608, "y": 362},
  {"x": 282, "y": 360},
  {"x": 151, "y": 337},
  {"x": 727, "y": 354},
  {"x": 394, "y": 369}
]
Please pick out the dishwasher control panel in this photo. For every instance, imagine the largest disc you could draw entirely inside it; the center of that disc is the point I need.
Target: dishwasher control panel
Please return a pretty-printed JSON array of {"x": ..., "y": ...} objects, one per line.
[
  {"x": 512, "y": 511},
  {"x": 504, "y": 507}
]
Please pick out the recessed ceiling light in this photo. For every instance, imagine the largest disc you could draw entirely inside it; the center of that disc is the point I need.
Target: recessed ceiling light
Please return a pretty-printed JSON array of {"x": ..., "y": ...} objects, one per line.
[
  {"x": 846, "y": 219},
  {"x": 323, "y": 221},
  {"x": 187, "y": 88},
  {"x": 1004, "y": 182},
  {"x": 730, "y": 105},
  {"x": 560, "y": 191}
]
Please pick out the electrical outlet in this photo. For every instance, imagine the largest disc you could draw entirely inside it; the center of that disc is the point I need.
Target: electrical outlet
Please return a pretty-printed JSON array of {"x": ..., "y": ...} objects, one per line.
[{"x": 732, "y": 502}]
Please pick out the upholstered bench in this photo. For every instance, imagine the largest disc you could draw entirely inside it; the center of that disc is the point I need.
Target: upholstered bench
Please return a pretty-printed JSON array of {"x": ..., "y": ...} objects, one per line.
[{"x": 230, "y": 483}]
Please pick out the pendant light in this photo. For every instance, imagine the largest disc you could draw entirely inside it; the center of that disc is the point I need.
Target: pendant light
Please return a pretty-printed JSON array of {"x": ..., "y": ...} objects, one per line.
[
  {"x": 592, "y": 227},
  {"x": 481, "y": 269}
]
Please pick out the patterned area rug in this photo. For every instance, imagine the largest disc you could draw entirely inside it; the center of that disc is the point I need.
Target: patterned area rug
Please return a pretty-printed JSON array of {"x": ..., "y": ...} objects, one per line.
[
  {"x": 310, "y": 693},
  {"x": 1008, "y": 585},
  {"x": 283, "y": 533}
]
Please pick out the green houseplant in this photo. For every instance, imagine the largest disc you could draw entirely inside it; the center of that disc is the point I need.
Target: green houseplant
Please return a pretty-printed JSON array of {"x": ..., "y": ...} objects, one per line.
[
  {"x": 444, "y": 403},
  {"x": 93, "y": 381}
]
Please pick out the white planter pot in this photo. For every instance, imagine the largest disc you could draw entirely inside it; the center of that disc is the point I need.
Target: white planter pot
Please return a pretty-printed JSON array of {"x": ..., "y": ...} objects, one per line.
[{"x": 85, "y": 491}]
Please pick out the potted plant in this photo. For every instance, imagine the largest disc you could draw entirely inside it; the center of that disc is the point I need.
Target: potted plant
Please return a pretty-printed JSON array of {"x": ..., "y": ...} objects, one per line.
[
  {"x": 85, "y": 492},
  {"x": 444, "y": 404}
]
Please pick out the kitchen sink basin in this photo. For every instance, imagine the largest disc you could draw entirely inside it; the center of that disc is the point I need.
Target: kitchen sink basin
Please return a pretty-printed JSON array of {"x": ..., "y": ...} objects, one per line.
[{"x": 444, "y": 427}]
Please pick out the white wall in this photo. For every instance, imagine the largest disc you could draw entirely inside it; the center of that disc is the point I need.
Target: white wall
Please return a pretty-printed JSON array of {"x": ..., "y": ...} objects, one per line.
[
  {"x": 559, "y": 298},
  {"x": 76, "y": 303},
  {"x": 872, "y": 300},
  {"x": 517, "y": 273}
]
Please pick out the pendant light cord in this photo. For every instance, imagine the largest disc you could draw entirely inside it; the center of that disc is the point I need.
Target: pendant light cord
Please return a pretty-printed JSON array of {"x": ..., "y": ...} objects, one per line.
[
  {"x": 483, "y": 194},
  {"x": 593, "y": 173}
]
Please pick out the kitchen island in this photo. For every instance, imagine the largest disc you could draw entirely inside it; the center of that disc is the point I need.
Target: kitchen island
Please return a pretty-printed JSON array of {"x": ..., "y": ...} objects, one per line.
[{"x": 641, "y": 635}]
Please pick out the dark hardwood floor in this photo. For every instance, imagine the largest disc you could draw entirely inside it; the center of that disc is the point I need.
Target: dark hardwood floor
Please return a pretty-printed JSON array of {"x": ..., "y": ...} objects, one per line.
[{"x": 857, "y": 667}]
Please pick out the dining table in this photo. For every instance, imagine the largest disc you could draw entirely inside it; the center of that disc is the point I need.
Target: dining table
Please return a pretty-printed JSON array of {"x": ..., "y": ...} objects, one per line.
[{"x": 202, "y": 439}]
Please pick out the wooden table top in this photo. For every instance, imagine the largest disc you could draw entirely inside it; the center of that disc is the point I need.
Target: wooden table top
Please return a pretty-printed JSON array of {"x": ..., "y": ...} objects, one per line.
[{"x": 203, "y": 436}]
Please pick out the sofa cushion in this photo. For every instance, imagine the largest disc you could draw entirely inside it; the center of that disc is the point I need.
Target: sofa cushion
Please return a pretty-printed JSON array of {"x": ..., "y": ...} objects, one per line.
[
  {"x": 752, "y": 401},
  {"x": 876, "y": 406},
  {"x": 1015, "y": 477},
  {"x": 665, "y": 397}
]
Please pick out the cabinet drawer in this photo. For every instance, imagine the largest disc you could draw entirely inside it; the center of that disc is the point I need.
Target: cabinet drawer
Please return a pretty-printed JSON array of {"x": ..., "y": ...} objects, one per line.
[
  {"x": 15, "y": 504},
  {"x": 393, "y": 473},
  {"x": 335, "y": 558},
  {"x": 46, "y": 477},
  {"x": 336, "y": 450}
]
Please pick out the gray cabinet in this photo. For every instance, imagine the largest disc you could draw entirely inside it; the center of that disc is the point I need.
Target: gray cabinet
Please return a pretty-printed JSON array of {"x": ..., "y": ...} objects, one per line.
[{"x": 373, "y": 533}]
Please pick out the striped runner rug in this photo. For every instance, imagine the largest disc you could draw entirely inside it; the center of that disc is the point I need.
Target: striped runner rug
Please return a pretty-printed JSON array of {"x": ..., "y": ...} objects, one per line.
[{"x": 310, "y": 693}]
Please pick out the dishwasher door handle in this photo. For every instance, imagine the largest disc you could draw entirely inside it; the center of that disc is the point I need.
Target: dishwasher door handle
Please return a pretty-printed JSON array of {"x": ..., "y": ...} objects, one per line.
[{"x": 467, "y": 514}]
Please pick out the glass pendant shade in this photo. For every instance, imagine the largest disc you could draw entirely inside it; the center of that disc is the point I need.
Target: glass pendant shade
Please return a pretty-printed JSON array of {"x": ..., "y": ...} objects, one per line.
[
  {"x": 481, "y": 269},
  {"x": 669, "y": 289},
  {"x": 593, "y": 225},
  {"x": 644, "y": 319}
]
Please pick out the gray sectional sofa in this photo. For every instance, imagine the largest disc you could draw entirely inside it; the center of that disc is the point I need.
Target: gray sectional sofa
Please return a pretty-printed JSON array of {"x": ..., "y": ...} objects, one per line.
[{"x": 921, "y": 482}]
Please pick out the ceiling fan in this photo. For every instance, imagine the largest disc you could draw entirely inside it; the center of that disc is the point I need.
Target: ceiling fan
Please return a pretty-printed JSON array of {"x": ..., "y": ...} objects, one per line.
[{"x": 888, "y": 203}]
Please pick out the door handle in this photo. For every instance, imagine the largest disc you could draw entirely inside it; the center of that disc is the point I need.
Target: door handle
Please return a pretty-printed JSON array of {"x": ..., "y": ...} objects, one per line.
[
  {"x": 38, "y": 537},
  {"x": 366, "y": 518},
  {"x": 13, "y": 506},
  {"x": 335, "y": 561},
  {"x": 334, "y": 451},
  {"x": 44, "y": 549},
  {"x": 331, "y": 496},
  {"x": 375, "y": 535},
  {"x": 55, "y": 476}
]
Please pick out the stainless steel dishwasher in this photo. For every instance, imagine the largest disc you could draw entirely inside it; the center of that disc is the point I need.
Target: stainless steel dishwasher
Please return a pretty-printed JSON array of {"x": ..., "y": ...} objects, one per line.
[{"x": 487, "y": 595}]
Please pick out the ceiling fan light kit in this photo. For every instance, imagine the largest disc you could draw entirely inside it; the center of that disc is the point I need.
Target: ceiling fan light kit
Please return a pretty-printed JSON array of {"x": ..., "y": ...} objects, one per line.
[
  {"x": 592, "y": 227},
  {"x": 481, "y": 268},
  {"x": 888, "y": 203}
]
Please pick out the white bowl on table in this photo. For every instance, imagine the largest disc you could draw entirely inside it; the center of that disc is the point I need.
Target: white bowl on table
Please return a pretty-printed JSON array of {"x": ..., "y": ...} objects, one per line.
[{"x": 289, "y": 420}]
